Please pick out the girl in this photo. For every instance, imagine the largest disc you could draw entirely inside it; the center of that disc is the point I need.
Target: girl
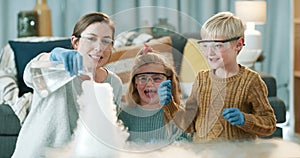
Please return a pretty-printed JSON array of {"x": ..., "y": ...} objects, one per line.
[{"x": 143, "y": 114}]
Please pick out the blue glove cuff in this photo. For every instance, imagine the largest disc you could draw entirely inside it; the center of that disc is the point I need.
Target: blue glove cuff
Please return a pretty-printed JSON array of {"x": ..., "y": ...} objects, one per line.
[{"x": 52, "y": 54}]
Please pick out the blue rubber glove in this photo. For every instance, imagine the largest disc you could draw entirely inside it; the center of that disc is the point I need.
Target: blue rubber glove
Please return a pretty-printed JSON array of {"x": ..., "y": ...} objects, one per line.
[
  {"x": 234, "y": 116},
  {"x": 71, "y": 59},
  {"x": 164, "y": 92}
]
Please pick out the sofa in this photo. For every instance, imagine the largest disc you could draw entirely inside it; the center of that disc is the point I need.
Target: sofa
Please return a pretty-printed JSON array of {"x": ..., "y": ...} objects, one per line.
[
  {"x": 180, "y": 49},
  {"x": 15, "y": 96},
  {"x": 277, "y": 104}
]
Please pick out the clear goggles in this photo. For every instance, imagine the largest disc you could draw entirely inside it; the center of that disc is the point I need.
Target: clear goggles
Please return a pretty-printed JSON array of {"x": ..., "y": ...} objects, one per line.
[
  {"x": 215, "y": 45},
  {"x": 154, "y": 77},
  {"x": 105, "y": 42}
]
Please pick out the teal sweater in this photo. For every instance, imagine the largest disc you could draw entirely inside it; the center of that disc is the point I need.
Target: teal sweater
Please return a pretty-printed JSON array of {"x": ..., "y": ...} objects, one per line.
[{"x": 148, "y": 126}]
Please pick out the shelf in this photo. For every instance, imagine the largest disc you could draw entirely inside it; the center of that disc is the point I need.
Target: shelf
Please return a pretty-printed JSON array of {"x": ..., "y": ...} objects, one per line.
[
  {"x": 297, "y": 73},
  {"x": 297, "y": 21},
  {"x": 296, "y": 66}
]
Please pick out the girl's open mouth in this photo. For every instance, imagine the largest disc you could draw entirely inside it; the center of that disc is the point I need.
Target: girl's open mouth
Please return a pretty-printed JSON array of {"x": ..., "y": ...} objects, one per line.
[{"x": 150, "y": 93}]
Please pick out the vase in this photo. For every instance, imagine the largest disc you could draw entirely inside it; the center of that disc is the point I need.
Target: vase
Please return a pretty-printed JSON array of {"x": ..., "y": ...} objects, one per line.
[
  {"x": 27, "y": 23},
  {"x": 44, "y": 18}
]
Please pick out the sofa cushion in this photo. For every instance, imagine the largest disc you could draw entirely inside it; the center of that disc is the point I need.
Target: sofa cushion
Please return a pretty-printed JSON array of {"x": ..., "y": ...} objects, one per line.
[
  {"x": 178, "y": 44},
  {"x": 193, "y": 61},
  {"x": 10, "y": 124},
  {"x": 7, "y": 146},
  {"x": 9, "y": 130},
  {"x": 27, "y": 48}
]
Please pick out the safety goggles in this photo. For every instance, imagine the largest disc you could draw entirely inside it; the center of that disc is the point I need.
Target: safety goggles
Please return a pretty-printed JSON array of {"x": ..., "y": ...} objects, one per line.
[
  {"x": 154, "y": 77},
  {"x": 105, "y": 42},
  {"x": 216, "y": 45}
]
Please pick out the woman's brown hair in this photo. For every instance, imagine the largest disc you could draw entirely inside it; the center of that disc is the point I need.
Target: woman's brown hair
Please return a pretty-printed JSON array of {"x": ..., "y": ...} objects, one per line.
[{"x": 91, "y": 18}]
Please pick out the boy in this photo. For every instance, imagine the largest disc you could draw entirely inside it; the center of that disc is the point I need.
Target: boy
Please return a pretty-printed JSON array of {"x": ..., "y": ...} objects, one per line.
[{"x": 229, "y": 101}]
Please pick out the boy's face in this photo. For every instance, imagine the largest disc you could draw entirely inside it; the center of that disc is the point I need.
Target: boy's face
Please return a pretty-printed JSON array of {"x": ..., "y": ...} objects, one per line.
[{"x": 221, "y": 52}]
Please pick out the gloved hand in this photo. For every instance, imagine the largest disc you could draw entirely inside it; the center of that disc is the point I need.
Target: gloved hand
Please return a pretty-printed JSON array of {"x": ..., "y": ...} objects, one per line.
[
  {"x": 234, "y": 116},
  {"x": 164, "y": 92},
  {"x": 71, "y": 59},
  {"x": 146, "y": 49}
]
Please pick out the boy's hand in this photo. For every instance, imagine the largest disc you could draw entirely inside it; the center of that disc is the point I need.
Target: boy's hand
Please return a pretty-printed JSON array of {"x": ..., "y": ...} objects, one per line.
[
  {"x": 71, "y": 59},
  {"x": 164, "y": 92},
  {"x": 234, "y": 116}
]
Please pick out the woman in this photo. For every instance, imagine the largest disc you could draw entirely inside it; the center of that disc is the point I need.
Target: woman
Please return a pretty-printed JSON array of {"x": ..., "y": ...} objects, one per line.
[
  {"x": 143, "y": 115},
  {"x": 52, "y": 120}
]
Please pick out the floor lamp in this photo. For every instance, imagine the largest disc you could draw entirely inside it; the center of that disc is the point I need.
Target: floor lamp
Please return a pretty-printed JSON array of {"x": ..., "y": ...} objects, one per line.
[{"x": 252, "y": 13}]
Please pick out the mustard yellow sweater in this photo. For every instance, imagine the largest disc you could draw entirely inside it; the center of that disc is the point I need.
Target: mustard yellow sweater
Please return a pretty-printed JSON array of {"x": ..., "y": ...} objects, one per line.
[{"x": 210, "y": 95}]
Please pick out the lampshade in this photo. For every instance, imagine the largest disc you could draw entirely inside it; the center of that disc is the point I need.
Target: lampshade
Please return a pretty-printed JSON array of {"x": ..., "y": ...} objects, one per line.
[{"x": 251, "y": 11}]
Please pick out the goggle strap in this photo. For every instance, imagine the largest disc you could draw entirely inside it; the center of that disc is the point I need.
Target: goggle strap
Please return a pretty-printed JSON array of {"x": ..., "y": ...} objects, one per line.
[{"x": 222, "y": 41}]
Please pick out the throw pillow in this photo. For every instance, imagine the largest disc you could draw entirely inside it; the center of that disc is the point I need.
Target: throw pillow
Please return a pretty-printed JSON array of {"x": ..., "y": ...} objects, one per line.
[
  {"x": 193, "y": 61},
  {"x": 25, "y": 50}
]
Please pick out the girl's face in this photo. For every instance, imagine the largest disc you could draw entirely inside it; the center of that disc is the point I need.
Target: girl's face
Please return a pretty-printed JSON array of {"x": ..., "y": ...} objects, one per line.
[
  {"x": 147, "y": 79},
  {"x": 221, "y": 52},
  {"x": 95, "y": 44}
]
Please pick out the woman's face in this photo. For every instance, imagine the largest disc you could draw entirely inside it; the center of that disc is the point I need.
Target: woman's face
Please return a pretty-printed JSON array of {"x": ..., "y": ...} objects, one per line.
[
  {"x": 95, "y": 44},
  {"x": 147, "y": 81}
]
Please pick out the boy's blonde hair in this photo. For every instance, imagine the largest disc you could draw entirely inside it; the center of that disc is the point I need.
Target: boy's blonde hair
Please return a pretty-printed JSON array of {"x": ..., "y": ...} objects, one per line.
[{"x": 223, "y": 24}]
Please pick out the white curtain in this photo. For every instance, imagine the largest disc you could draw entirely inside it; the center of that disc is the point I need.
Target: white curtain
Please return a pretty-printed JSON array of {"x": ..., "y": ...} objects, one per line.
[
  {"x": 277, "y": 47},
  {"x": 185, "y": 15},
  {"x": 2, "y": 13}
]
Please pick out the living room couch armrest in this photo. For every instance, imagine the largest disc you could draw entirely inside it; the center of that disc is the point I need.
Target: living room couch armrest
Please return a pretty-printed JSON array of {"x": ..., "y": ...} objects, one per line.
[
  {"x": 271, "y": 84},
  {"x": 9, "y": 130},
  {"x": 279, "y": 109}
]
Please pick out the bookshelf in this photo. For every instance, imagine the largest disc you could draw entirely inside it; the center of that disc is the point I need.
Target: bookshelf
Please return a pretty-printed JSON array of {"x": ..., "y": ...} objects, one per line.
[{"x": 296, "y": 67}]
